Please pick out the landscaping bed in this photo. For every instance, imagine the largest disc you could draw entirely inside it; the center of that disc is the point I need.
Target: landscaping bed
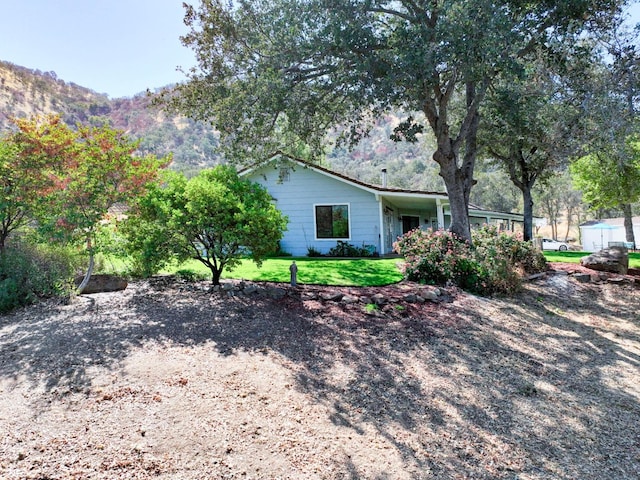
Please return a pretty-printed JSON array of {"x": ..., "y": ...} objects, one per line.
[{"x": 172, "y": 380}]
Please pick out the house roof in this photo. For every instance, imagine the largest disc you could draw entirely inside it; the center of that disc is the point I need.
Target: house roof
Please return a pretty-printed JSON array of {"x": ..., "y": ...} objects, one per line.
[
  {"x": 614, "y": 222},
  {"x": 397, "y": 194},
  {"x": 344, "y": 178}
]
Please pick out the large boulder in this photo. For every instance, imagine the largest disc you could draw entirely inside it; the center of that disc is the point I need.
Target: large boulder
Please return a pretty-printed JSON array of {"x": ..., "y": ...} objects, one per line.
[
  {"x": 103, "y": 283},
  {"x": 612, "y": 259}
]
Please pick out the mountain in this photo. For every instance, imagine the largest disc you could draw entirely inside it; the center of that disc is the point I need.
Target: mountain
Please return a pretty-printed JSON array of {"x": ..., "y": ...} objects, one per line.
[{"x": 26, "y": 92}]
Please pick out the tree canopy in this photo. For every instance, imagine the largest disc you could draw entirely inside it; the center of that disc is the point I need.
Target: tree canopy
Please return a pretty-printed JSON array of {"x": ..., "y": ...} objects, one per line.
[
  {"x": 606, "y": 181},
  {"x": 215, "y": 217},
  {"x": 303, "y": 67},
  {"x": 78, "y": 174},
  {"x": 533, "y": 121}
]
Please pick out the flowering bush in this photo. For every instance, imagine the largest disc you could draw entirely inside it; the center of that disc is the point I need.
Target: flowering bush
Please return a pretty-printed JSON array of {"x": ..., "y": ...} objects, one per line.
[
  {"x": 431, "y": 256},
  {"x": 495, "y": 263},
  {"x": 507, "y": 258}
]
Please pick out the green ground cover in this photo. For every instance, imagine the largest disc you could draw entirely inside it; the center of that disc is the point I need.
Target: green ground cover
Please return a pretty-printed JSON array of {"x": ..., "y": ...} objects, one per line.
[
  {"x": 323, "y": 271},
  {"x": 574, "y": 257},
  {"x": 317, "y": 271}
]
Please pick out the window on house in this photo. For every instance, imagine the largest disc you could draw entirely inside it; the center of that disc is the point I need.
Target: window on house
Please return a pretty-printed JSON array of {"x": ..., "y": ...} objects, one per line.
[{"x": 332, "y": 221}]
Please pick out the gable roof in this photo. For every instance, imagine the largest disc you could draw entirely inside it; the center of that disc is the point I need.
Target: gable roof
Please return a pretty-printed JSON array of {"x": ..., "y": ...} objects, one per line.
[
  {"x": 338, "y": 176},
  {"x": 375, "y": 189}
]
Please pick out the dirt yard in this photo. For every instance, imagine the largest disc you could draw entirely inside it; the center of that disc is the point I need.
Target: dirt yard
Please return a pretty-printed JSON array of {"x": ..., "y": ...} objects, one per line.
[{"x": 168, "y": 381}]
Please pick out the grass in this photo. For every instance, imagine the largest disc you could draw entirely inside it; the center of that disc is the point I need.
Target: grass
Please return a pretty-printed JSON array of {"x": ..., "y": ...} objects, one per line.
[
  {"x": 317, "y": 271},
  {"x": 574, "y": 257},
  {"x": 344, "y": 272}
]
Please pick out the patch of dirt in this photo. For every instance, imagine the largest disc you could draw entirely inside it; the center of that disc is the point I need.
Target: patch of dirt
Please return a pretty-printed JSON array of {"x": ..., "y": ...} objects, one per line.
[{"x": 168, "y": 381}]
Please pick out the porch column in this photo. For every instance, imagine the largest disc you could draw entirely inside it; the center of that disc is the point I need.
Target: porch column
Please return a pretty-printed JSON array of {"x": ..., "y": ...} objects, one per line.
[
  {"x": 381, "y": 230},
  {"x": 440, "y": 213}
]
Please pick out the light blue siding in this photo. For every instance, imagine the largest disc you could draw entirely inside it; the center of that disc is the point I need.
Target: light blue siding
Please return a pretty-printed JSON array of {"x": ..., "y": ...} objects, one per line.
[{"x": 296, "y": 194}]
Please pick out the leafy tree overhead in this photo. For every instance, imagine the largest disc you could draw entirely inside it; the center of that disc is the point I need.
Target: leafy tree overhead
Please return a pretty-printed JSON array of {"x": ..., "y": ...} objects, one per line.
[
  {"x": 215, "y": 217},
  {"x": 606, "y": 182},
  {"x": 303, "y": 67},
  {"x": 613, "y": 145},
  {"x": 88, "y": 169},
  {"x": 533, "y": 121}
]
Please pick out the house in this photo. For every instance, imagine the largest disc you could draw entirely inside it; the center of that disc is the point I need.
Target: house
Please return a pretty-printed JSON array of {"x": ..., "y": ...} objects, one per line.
[
  {"x": 324, "y": 207},
  {"x": 598, "y": 234}
]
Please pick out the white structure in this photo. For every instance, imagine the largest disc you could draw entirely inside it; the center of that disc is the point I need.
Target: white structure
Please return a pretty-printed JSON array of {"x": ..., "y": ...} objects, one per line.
[
  {"x": 324, "y": 207},
  {"x": 599, "y": 234}
]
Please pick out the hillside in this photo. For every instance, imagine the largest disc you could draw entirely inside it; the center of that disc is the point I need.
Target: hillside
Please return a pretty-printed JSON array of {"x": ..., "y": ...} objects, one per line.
[{"x": 26, "y": 92}]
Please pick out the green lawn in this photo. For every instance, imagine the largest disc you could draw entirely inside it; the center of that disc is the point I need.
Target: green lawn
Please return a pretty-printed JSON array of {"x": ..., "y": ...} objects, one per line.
[
  {"x": 574, "y": 257},
  {"x": 318, "y": 271}
]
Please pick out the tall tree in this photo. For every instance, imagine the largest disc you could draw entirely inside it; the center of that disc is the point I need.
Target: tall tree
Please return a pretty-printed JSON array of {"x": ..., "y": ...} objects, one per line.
[
  {"x": 608, "y": 173},
  {"x": 89, "y": 169},
  {"x": 532, "y": 122},
  {"x": 607, "y": 182},
  {"x": 306, "y": 66}
]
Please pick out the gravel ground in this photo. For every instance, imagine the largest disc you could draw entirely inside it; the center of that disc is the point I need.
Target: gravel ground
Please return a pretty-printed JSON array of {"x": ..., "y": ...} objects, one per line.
[{"x": 168, "y": 381}]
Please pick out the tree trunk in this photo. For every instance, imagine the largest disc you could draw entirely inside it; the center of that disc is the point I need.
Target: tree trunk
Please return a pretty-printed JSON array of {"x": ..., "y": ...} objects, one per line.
[
  {"x": 528, "y": 212},
  {"x": 87, "y": 276},
  {"x": 628, "y": 223},
  {"x": 215, "y": 275},
  {"x": 458, "y": 194},
  {"x": 457, "y": 173},
  {"x": 569, "y": 223}
]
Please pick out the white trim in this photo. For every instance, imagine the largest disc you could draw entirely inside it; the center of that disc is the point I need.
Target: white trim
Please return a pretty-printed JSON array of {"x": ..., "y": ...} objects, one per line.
[
  {"x": 381, "y": 227},
  {"x": 315, "y": 221},
  {"x": 439, "y": 214}
]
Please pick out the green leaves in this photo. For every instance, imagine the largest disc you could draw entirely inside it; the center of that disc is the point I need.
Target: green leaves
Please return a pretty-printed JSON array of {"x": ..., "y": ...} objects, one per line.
[
  {"x": 215, "y": 217},
  {"x": 276, "y": 74},
  {"x": 607, "y": 180},
  {"x": 67, "y": 179}
]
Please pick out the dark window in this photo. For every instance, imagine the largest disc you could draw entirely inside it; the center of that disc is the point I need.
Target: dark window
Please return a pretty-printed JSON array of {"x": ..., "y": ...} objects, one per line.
[
  {"x": 332, "y": 221},
  {"x": 409, "y": 223}
]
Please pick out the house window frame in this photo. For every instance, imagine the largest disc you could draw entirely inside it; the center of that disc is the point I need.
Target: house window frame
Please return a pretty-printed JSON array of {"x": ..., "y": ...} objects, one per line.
[{"x": 315, "y": 221}]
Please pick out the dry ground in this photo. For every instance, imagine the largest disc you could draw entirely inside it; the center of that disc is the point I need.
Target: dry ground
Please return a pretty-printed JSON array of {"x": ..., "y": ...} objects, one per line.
[{"x": 167, "y": 381}]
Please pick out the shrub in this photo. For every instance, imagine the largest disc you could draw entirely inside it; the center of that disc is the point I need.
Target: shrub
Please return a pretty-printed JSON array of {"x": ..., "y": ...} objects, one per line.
[
  {"x": 495, "y": 263},
  {"x": 29, "y": 271},
  {"x": 431, "y": 256},
  {"x": 190, "y": 276},
  {"x": 345, "y": 249},
  {"x": 313, "y": 252},
  {"x": 506, "y": 258}
]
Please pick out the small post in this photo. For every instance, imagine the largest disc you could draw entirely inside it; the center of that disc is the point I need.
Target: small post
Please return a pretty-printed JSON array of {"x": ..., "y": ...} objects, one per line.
[{"x": 294, "y": 273}]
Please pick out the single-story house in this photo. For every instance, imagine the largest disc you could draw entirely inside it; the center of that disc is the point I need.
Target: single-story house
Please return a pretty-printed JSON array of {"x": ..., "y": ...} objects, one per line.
[
  {"x": 599, "y": 234},
  {"x": 324, "y": 207}
]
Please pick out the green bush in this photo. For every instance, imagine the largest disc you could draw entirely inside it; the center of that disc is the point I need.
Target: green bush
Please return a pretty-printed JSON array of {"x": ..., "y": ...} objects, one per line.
[
  {"x": 345, "y": 249},
  {"x": 29, "y": 271},
  {"x": 313, "y": 252},
  {"x": 506, "y": 258},
  {"x": 431, "y": 256},
  {"x": 190, "y": 276},
  {"x": 495, "y": 264}
]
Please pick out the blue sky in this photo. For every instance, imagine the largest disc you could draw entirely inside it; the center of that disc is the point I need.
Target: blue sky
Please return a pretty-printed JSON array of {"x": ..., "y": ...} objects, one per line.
[{"x": 117, "y": 47}]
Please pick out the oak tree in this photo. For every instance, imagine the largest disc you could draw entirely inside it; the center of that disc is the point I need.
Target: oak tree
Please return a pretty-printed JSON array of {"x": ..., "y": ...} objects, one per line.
[{"x": 304, "y": 67}]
